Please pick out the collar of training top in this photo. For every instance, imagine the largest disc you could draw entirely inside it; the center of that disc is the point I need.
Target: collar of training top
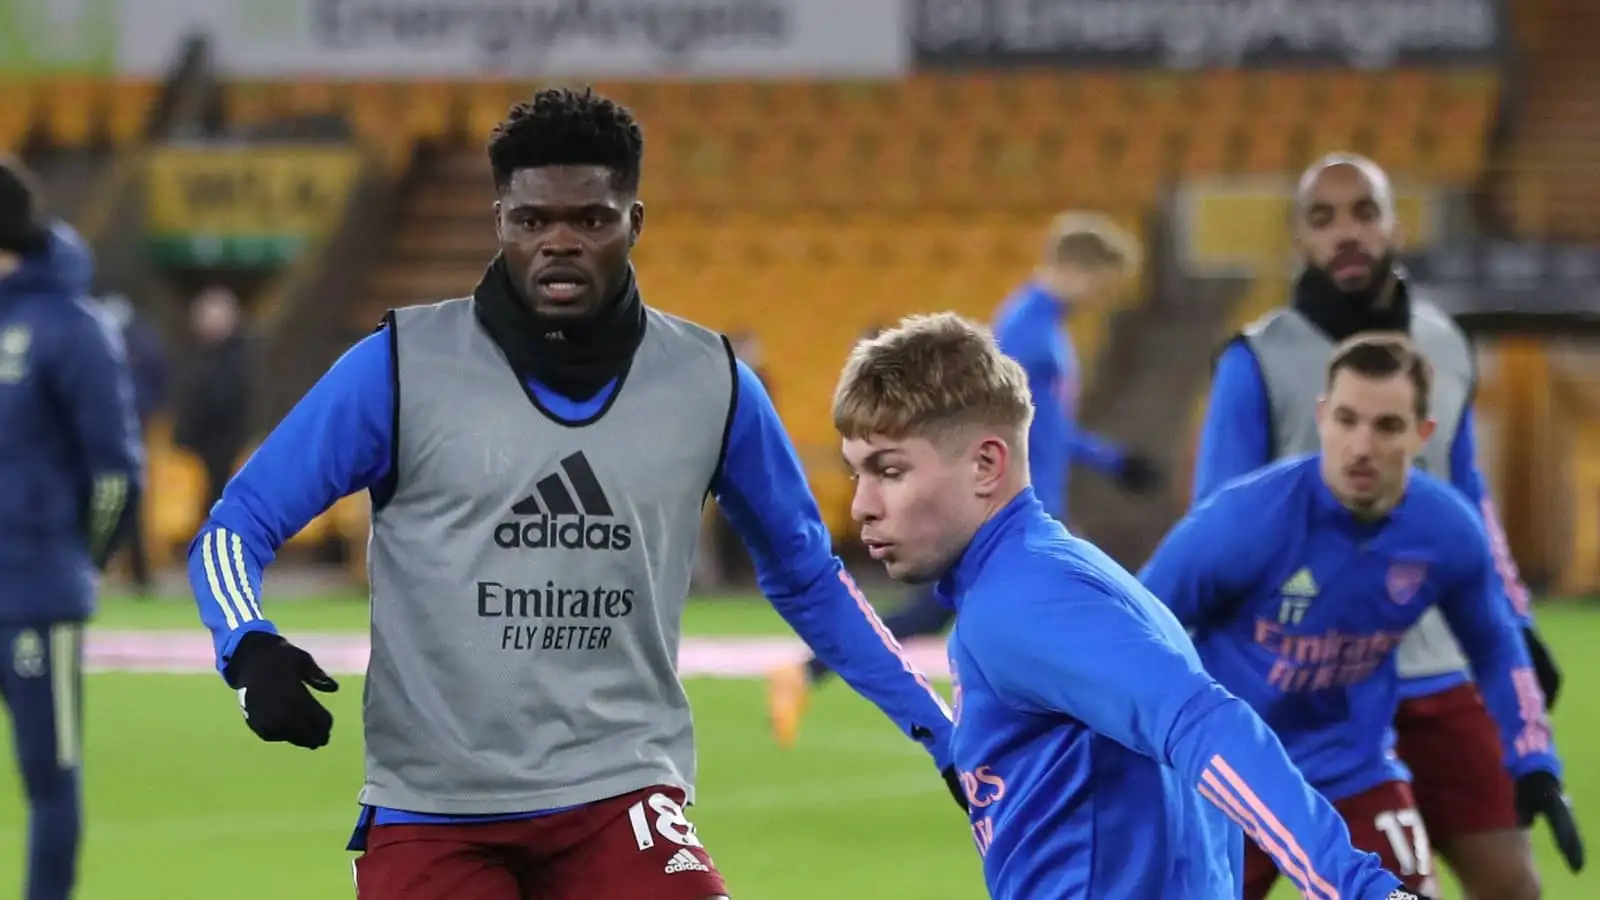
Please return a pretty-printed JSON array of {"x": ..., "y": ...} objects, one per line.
[
  {"x": 964, "y": 572},
  {"x": 574, "y": 359},
  {"x": 1340, "y": 314}
]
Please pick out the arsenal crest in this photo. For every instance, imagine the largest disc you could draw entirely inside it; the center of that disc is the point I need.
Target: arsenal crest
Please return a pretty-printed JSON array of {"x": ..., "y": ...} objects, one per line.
[{"x": 1404, "y": 580}]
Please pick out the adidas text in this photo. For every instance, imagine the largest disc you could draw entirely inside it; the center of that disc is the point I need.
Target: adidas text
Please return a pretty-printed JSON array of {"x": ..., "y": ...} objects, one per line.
[
  {"x": 684, "y": 861},
  {"x": 563, "y": 532}
]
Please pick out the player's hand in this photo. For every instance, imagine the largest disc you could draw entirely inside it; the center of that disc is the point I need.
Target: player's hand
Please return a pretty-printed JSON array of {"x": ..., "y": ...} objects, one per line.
[
  {"x": 1138, "y": 474},
  {"x": 952, "y": 780},
  {"x": 271, "y": 675},
  {"x": 1544, "y": 665},
  {"x": 1403, "y": 894},
  {"x": 1539, "y": 794}
]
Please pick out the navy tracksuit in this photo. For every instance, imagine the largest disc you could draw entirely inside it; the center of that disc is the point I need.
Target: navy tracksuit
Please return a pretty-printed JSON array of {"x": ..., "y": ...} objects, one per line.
[{"x": 70, "y": 470}]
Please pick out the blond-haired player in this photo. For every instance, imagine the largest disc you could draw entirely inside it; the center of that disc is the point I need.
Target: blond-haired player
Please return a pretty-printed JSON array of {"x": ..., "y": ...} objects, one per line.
[
  {"x": 1085, "y": 257},
  {"x": 1098, "y": 758}
]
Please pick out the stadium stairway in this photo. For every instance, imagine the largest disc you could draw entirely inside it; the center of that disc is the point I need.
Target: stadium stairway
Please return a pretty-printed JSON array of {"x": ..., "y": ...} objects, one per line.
[
  {"x": 1551, "y": 185},
  {"x": 1142, "y": 396}
]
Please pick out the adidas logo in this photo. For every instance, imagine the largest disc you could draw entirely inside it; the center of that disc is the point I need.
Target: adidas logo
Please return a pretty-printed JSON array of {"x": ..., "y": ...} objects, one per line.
[
  {"x": 560, "y": 514},
  {"x": 1300, "y": 585},
  {"x": 684, "y": 861}
]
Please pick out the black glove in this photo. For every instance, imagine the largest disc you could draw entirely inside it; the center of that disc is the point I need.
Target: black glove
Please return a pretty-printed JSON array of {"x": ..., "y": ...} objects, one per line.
[
  {"x": 952, "y": 780},
  {"x": 1540, "y": 794},
  {"x": 1138, "y": 474},
  {"x": 1403, "y": 894},
  {"x": 1544, "y": 665},
  {"x": 271, "y": 675}
]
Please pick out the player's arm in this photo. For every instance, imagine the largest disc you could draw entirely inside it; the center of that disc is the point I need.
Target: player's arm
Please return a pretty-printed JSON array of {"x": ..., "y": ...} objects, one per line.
[
  {"x": 1195, "y": 567},
  {"x": 88, "y": 372},
  {"x": 1027, "y": 346},
  {"x": 1468, "y": 479},
  {"x": 337, "y": 440},
  {"x": 1489, "y": 636},
  {"x": 1236, "y": 437},
  {"x": 1088, "y": 651},
  {"x": 1085, "y": 448},
  {"x": 762, "y": 489}
]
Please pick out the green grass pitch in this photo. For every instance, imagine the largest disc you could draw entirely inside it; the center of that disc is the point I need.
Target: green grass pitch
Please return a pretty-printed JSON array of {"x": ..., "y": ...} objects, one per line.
[{"x": 183, "y": 802}]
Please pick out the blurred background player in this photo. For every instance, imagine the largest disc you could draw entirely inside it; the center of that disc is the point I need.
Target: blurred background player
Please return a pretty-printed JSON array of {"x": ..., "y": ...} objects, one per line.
[
  {"x": 70, "y": 471},
  {"x": 213, "y": 419},
  {"x": 1298, "y": 582},
  {"x": 532, "y": 737},
  {"x": 1087, "y": 257},
  {"x": 1087, "y": 735},
  {"x": 147, "y": 364},
  {"x": 1262, "y": 407}
]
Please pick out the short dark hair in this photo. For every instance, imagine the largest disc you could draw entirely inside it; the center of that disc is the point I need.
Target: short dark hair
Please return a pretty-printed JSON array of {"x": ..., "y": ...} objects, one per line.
[
  {"x": 568, "y": 127},
  {"x": 1381, "y": 356},
  {"x": 22, "y": 228}
]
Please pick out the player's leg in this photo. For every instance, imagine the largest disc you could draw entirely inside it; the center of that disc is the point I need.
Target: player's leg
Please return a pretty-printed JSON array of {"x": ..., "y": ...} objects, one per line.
[
  {"x": 1385, "y": 820},
  {"x": 1260, "y": 872},
  {"x": 640, "y": 846},
  {"x": 1468, "y": 803},
  {"x": 440, "y": 862},
  {"x": 43, "y": 686},
  {"x": 789, "y": 687}
]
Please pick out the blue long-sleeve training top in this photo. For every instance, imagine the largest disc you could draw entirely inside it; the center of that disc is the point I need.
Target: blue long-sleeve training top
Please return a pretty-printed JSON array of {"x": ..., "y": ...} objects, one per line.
[
  {"x": 1297, "y": 607},
  {"x": 71, "y": 457},
  {"x": 1236, "y": 440},
  {"x": 1099, "y": 758},
  {"x": 336, "y": 441},
  {"x": 1030, "y": 328}
]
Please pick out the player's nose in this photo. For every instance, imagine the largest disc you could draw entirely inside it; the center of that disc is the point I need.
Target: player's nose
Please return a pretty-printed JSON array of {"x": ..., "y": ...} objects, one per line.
[
  {"x": 561, "y": 241},
  {"x": 864, "y": 505}
]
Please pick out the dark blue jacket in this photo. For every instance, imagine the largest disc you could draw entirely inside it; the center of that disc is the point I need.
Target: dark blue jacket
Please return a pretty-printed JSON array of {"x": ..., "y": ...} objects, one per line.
[{"x": 71, "y": 464}]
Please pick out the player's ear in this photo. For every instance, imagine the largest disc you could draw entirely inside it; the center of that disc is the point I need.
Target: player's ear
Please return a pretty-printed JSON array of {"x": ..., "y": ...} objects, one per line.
[
  {"x": 989, "y": 465},
  {"x": 635, "y": 222},
  {"x": 499, "y": 225},
  {"x": 1426, "y": 427}
]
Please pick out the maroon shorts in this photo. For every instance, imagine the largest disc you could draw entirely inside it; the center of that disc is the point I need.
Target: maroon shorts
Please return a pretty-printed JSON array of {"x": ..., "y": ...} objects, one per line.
[
  {"x": 1452, "y": 746},
  {"x": 1382, "y": 820},
  {"x": 638, "y": 846}
]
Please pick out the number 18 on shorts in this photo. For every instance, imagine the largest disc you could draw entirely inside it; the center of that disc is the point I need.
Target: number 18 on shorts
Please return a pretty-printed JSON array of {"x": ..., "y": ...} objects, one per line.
[{"x": 639, "y": 846}]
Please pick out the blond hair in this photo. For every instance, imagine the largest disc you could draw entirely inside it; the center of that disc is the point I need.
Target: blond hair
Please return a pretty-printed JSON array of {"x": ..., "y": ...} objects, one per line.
[
  {"x": 928, "y": 376},
  {"x": 1090, "y": 240}
]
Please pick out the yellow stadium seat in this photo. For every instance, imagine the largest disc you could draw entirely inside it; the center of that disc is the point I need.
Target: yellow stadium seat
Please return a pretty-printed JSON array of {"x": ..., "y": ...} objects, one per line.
[
  {"x": 70, "y": 109},
  {"x": 313, "y": 97},
  {"x": 16, "y": 113},
  {"x": 485, "y": 105},
  {"x": 128, "y": 110},
  {"x": 247, "y": 103},
  {"x": 1213, "y": 100},
  {"x": 428, "y": 111}
]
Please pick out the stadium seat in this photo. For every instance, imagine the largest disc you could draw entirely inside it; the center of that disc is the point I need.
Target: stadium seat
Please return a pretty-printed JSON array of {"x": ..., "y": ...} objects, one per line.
[
  {"x": 128, "y": 110},
  {"x": 70, "y": 110}
]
